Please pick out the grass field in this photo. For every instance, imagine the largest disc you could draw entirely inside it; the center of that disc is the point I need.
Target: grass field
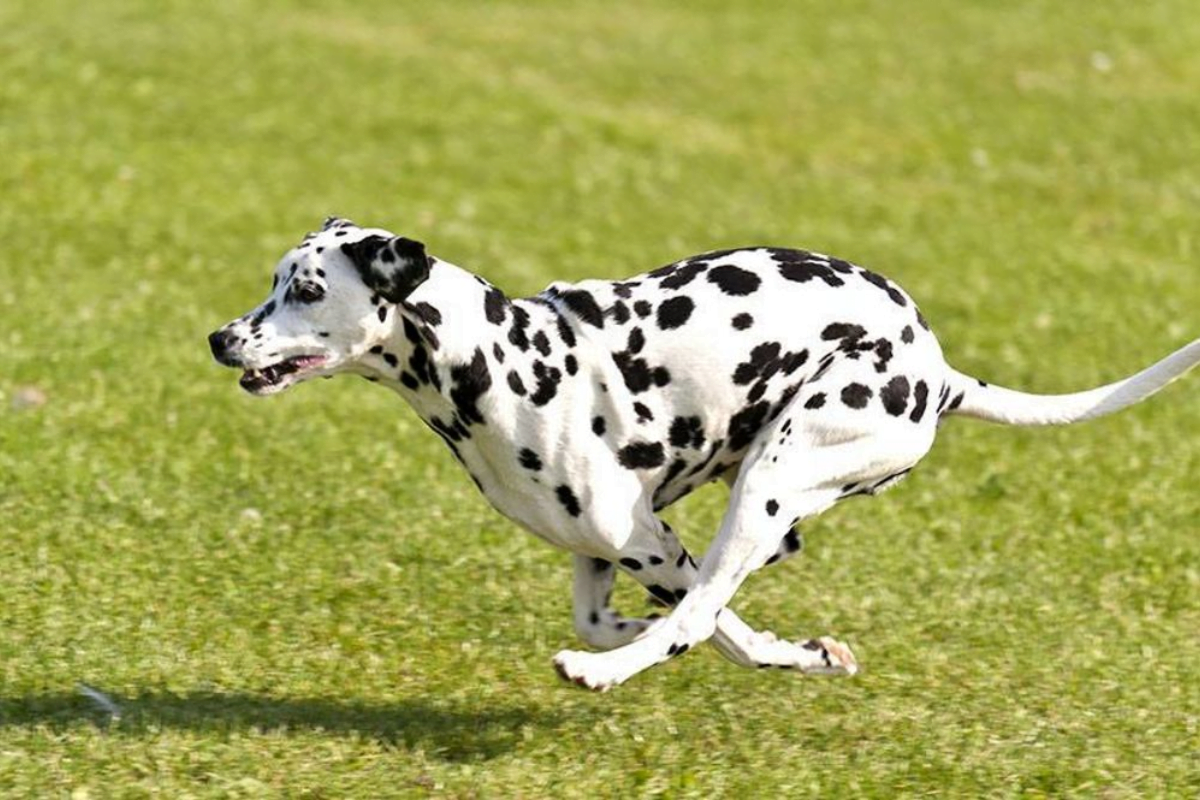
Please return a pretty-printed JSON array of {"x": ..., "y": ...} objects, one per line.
[{"x": 304, "y": 597}]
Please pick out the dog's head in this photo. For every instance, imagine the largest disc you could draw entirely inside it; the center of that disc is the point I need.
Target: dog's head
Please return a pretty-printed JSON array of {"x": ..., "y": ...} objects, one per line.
[{"x": 329, "y": 304}]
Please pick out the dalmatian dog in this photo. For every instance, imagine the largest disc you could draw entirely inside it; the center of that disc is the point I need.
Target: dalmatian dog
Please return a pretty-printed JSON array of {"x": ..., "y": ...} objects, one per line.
[{"x": 798, "y": 379}]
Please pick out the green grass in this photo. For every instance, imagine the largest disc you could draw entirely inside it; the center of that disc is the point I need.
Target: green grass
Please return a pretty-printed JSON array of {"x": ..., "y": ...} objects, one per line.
[{"x": 305, "y": 598}]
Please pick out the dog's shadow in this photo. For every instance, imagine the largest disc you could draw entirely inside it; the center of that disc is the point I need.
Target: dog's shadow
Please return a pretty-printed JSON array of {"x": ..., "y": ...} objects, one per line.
[{"x": 442, "y": 729}]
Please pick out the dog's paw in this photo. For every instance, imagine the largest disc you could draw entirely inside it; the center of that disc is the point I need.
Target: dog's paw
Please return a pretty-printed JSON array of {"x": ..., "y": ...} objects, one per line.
[
  {"x": 831, "y": 658},
  {"x": 584, "y": 669}
]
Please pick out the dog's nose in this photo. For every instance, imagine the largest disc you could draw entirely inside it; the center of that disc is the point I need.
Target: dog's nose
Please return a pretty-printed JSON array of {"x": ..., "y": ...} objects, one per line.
[{"x": 220, "y": 342}]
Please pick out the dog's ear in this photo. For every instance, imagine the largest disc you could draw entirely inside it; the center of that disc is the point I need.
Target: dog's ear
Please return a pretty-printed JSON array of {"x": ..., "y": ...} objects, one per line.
[
  {"x": 336, "y": 222},
  {"x": 392, "y": 267}
]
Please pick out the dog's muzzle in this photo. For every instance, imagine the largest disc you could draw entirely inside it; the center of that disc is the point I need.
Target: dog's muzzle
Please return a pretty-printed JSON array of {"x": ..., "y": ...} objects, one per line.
[{"x": 221, "y": 343}]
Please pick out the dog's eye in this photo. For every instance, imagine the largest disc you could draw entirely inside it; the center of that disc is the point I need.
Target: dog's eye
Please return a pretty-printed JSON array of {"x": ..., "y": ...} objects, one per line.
[{"x": 309, "y": 293}]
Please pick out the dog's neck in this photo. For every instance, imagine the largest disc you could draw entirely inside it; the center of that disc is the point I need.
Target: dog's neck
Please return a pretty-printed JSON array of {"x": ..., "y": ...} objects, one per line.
[{"x": 439, "y": 348}]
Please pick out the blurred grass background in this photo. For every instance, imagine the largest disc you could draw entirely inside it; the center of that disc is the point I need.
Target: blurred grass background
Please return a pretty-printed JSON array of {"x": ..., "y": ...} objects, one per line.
[{"x": 305, "y": 598}]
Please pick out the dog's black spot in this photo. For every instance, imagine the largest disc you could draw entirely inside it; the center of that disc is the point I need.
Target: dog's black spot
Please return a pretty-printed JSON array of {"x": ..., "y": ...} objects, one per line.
[
  {"x": 745, "y": 424},
  {"x": 409, "y": 381},
  {"x": 529, "y": 459},
  {"x": 495, "y": 306},
  {"x": 895, "y": 395},
  {"x": 802, "y": 271},
  {"x": 883, "y": 283},
  {"x": 687, "y": 432},
  {"x": 641, "y": 455},
  {"x": 568, "y": 499},
  {"x": 661, "y": 593},
  {"x": 660, "y": 376},
  {"x": 643, "y": 412},
  {"x": 619, "y": 312},
  {"x": 763, "y": 363},
  {"x": 943, "y": 397},
  {"x": 956, "y": 402},
  {"x": 515, "y": 383},
  {"x": 598, "y": 426},
  {"x": 822, "y": 367},
  {"x": 920, "y": 398},
  {"x": 471, "y": 383},
  {"x": 791, "y": 541},
  {"x": 907, "y": 336},
  {"x": 785, "y": 399},
  {"x": 733, "y": 280},
  {"x": 676, "y": 276},
  {"x": 451, "y": 433},
  {"x": 642, "y": 308},
  {"x": 884, "y": 351},
  {"x": 742, "y": 321},
  {"x": 673, "y": 471},
  {"x": 423, "y": 368},
  {"x": 594, "y": 618},
  {"x": 921, "y": 320},
  {"x": 674, "y": 312},
  {"x": 772, "y": 508},
  {"x": 631, "y": 563},
  {"x": 410, "y": 331},
  {"x": 793, "y": 361},
  {"x": 391, "y": 360},
  {"x": 843, "y": 330},
  {"x": 541, "y": 342},
  {"x": 637, "y": 340},
  {"x": 548, "y": 379},
  {"x": 571, "y": 364},
  {"x": 516, "y": 333},
  {"x": 600, "y": 565},
  {"x": 428, "y": 314},
  {"x": 498, "y": 352},
  {"x": 856, "y": 395},
  {"x": 677, "y": 649},
  {"x": 584, "y": 306},
  {"x": 565, "y": 331},
  {"x": 635, "y": 371}
]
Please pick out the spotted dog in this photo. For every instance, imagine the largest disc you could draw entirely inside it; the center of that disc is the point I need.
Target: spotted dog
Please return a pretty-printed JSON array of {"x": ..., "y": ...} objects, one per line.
[{"x": 799, "y": 379}]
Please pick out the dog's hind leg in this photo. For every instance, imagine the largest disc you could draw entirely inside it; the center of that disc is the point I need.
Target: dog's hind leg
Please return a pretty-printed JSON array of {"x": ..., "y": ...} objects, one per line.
[
  {"x": 780, "y": 484},
  {"x": 595, "y": 621},
  {"x": 661, "y": 564},
  {"x": 791, "y": 543}
]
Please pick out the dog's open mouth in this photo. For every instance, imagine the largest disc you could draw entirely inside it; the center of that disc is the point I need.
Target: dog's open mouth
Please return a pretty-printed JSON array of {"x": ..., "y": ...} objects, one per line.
[{"x": 276, "y": 376}]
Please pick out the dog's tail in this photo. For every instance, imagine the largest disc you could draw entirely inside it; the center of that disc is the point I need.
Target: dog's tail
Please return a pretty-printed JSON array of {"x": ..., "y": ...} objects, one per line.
[{"x": 972, "y": 398}]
